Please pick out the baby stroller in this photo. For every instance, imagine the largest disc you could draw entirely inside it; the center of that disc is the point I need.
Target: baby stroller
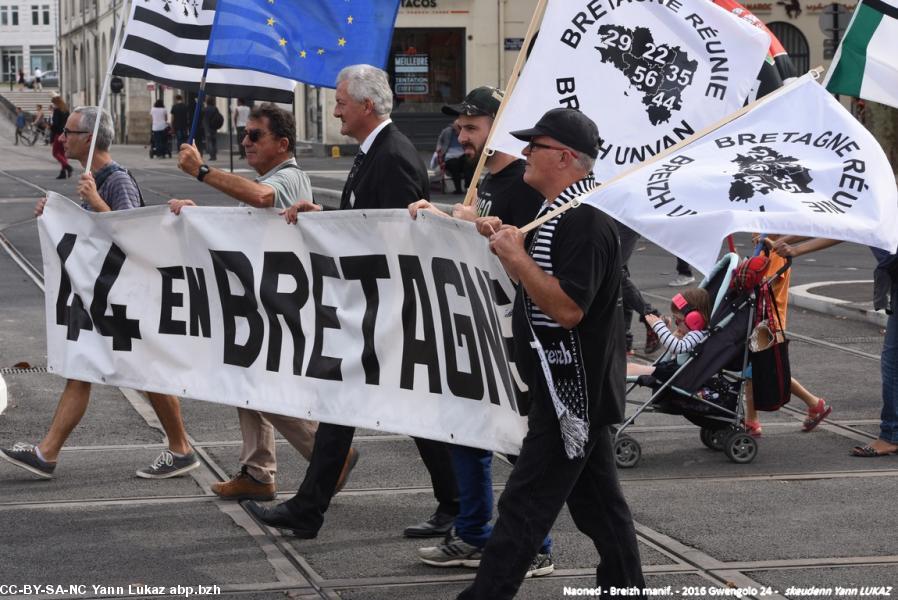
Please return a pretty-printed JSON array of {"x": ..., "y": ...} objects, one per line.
[{"x": 707, "y": 388}]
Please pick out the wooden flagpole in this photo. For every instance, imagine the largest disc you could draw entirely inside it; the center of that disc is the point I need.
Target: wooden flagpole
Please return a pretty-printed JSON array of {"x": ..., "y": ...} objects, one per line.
[
  {"x": 814, "y": 73},
  {"x": 535, "y": 22},
  {"x": 104, "y": 91}
]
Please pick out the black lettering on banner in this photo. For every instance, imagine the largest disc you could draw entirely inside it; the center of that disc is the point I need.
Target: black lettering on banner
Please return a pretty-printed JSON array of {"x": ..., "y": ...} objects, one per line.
[
  {"x": 286, "y": 304},
  {"x": 368, "y": 269},
  {"x": 73, "y": 316},
  {"x": 118, "y": 326},
  {"x": 200, "y": 323},
  {"x": 320, "y": 366},
  {"x": 238, "y": 305},
  {"x": 170, "y": 300},
  {"x": 415, "y": 351},
  {"x": 491, "y": 341},
  {"x": 462, "y": 384}
]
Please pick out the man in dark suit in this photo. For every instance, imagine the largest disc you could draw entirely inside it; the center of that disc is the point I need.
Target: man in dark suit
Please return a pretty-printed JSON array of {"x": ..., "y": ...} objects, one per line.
[{"x": 386, "y": 173}]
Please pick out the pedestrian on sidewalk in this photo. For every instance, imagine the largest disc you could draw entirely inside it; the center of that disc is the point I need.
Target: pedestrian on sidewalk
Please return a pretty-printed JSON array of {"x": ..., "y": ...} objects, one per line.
[
  {"x": 212, "y": 122},
  {"x": 37, "y": 80},
  {"x": 159, "y": 126},
  {"x": 270, "y": 140},
  {"x": 106, "y": 186},
  {"x": 57, "y": 126},
  {"x": 180, "y": 120},
  {"x": 241, "y": 115},
  {"x": 21, "y": 121},
  {"x": 885, "y": 286},
  {"x": 21, "y": 80}
]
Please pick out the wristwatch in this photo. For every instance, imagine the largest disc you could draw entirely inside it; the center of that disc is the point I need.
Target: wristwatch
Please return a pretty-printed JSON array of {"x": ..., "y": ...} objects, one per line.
[{"x": 203, "y": 171}]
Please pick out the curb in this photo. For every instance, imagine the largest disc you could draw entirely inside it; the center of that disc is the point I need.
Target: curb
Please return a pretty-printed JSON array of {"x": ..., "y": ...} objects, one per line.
[{"x": 800, "y": 297}]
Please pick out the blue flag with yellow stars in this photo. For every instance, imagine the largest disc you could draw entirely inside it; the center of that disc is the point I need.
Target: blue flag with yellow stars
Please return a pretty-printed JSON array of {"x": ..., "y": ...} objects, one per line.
[{"x": 305, "y": 40}]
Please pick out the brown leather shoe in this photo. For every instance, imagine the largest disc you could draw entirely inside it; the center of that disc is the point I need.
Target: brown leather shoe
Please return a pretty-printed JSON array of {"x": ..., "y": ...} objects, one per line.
[
  {"x": 351, "y": 459},
  {"x": 243, "y": 487}
]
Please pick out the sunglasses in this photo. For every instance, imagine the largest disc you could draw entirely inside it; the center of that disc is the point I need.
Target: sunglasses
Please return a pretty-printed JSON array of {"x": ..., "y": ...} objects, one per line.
[
  {"x": 531, "y": 145},
  {"x": 67, "y": 132},
  {"x": 255, "y": 135}
]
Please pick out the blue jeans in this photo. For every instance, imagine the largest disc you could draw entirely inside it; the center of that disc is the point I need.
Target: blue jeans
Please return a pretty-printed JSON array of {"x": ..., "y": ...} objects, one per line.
[
  {"x": 888, "y": 426},
  {"x": 473, "y": 472}
]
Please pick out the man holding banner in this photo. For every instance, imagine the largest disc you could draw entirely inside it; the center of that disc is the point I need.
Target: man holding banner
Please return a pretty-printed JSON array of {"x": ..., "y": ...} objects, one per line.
[
  {"x": 387, "y": 173},
  {"x": 107, "y": 186},
  {"x": 269, "y": 140},
  {"x": 568, "y": 338}
]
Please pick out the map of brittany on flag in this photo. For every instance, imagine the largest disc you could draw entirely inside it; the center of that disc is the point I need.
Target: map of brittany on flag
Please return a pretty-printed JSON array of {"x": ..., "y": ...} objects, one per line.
[{"x": 649, "y": 74}]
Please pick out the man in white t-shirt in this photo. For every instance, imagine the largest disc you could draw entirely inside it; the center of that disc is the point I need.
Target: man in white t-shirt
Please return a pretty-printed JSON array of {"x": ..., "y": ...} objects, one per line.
[
  {"x": 37, "y": 79},
  {"x": 241, "y": 115}
]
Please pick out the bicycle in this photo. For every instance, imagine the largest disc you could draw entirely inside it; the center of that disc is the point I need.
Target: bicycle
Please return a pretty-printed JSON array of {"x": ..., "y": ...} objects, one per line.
[{"x": 30, "y": 134}]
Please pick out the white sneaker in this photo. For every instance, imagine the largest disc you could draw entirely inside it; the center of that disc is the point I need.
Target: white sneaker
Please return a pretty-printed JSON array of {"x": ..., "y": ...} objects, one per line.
[{"x": 681, "y": 280}]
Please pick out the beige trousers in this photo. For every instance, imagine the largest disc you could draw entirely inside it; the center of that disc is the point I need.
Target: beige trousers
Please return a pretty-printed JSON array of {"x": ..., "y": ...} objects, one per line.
[{"x": 258, "y": 452}]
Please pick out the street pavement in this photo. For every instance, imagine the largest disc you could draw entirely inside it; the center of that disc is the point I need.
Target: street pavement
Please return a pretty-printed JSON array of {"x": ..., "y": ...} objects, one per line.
[{"x": 803, "y": 515}]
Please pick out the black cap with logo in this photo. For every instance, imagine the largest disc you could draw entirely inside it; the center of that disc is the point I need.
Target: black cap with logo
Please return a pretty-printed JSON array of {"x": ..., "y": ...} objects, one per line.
[
  {"x": 570, "y": 127},
  {"x": 480, "y": 102}
]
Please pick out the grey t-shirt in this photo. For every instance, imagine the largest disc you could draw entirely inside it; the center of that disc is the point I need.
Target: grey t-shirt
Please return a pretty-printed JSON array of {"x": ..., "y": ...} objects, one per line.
[
  {"x": 118, "y": 190},
  {"x": 289, "y": 182}
]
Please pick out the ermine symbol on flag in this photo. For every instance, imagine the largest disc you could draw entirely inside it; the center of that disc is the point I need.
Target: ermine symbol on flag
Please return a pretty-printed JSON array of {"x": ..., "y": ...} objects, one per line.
[{"x": 763, "y": 170}]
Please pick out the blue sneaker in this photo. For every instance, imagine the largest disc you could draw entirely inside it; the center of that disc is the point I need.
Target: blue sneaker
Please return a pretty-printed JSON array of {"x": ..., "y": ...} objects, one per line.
[{"x": 25, "y": 456}]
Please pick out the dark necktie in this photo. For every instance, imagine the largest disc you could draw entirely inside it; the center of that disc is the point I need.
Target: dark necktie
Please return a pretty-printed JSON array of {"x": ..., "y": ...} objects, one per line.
[{"x": 346, "y": 200}]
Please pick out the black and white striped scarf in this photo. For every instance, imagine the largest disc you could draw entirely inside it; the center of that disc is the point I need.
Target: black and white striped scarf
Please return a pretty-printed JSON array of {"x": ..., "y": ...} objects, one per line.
[{"x": 560, "y": 350}]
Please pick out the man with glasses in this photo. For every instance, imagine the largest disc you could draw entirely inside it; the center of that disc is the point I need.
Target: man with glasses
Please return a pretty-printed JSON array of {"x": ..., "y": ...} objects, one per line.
[
  {"x": 568, "y": 304},
  {"x": 105, "y": 186},
  {"x": 269, "y": 140}
]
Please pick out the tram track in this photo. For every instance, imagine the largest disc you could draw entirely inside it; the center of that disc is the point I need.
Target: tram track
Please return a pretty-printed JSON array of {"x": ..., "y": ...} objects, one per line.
[{"x": 301, "y": 577}]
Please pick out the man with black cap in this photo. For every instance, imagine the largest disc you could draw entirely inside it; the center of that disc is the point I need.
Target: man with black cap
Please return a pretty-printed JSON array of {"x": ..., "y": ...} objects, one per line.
[
  {"x": 502, "y": 194},
  {"x": 569, "y": 345}
]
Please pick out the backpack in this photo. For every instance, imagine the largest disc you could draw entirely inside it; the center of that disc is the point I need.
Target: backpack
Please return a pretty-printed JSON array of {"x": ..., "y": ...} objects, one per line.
[
  {"x": 216, "y": 120},
  {"x": 120, "y": 169}
]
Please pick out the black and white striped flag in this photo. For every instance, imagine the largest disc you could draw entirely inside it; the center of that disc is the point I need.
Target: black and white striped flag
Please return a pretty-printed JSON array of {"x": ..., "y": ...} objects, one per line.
[{"x": 166, "y": 41}]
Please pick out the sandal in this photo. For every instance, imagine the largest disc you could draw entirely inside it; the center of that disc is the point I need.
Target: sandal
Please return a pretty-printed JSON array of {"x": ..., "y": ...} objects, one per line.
[
  {"x": 816, "y": 415},
  {"x": 869, "y": 451},
  {"x": 753, "y": 428}
]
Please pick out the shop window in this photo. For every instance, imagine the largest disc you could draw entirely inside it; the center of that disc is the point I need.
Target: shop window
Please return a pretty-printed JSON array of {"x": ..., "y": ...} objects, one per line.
[{"x": 426, "y": 68}]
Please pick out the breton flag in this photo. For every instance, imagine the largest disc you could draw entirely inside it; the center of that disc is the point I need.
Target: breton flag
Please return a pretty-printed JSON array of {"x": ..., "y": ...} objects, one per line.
[
  {"x": 649, "y": 74},
  {"x": 796, "y": 163},
  {"x": 866, "y": 63},
  {"x": 306, "y": 40},
  {"x": 166, "y": 41}
]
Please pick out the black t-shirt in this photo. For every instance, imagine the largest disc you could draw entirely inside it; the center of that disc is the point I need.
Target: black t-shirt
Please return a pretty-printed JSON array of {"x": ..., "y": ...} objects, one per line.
[
  {"x": 505, "y": 195},
  {"x": 585, "y": 258},
  {"x": 179, "y": 116}
]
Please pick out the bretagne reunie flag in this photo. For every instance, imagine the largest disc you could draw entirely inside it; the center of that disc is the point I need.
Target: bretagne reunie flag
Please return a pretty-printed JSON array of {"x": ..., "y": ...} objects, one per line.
[
  {"x": 649, "y": 74},
  {"x": 166, "y": 41},
  {"x": 866, "y": 63},
  {"x": 796, "y": 163}
]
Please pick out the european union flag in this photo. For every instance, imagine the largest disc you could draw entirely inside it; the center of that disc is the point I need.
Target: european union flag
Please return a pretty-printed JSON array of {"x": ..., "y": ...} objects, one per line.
[{"x": 305, "y": 40}]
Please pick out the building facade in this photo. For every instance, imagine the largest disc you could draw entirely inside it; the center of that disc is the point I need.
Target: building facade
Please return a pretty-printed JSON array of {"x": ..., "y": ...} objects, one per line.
[
  {"x": 27, "y": 37},
  {"x": 440, "y": 49}
]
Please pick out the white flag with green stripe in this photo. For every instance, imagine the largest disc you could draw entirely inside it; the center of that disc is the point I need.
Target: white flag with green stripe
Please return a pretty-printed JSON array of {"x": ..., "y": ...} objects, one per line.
[{"x": 866, "y": 63}]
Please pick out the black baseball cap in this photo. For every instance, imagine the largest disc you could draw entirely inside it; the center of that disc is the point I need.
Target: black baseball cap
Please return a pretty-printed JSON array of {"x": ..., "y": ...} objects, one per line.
[
  {"x": 483, "y": 101},
  {"x": 568, "y": 126}
]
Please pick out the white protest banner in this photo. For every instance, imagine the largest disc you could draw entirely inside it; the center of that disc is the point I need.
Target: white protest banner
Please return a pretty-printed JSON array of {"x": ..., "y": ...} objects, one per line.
[
  {"x": 650, "y": 74},
  {"x": 358, "y": 318},
  {"x": 796, "y": 163}
]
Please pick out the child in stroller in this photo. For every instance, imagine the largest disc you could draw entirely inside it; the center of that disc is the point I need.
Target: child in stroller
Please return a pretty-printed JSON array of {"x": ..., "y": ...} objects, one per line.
[
  {"x": 165, "y": 143},
  {"x": 690, "y": 310}
]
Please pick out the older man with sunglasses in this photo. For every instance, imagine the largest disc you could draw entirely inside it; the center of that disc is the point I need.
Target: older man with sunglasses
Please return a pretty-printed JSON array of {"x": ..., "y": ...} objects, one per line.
[{"x": 269, "y": 140}]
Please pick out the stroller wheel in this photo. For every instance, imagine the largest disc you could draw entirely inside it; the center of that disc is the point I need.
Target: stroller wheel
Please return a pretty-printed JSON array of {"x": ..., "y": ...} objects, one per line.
[
  {"x": 740, "y": 447},
  {"x": 713, "y": 438},
  {"x": 627, "y": 452}
]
